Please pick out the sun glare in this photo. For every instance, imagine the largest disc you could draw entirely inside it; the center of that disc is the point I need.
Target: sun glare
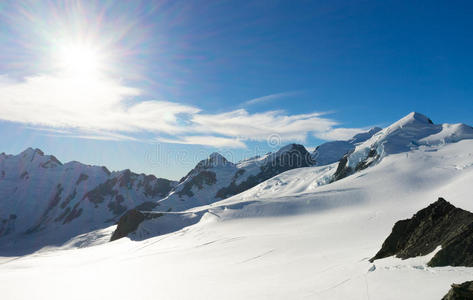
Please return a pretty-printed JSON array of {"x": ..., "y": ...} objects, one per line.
[{"x": 79, "y": 59}]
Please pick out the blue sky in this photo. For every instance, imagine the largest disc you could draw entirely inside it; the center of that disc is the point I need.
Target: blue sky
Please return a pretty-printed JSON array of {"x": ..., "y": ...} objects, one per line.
[{"x": 155, "y": 86}]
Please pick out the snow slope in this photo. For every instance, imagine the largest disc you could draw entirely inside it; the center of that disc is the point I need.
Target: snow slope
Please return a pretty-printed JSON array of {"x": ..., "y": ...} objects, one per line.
[{"x": 287, "y": 238}]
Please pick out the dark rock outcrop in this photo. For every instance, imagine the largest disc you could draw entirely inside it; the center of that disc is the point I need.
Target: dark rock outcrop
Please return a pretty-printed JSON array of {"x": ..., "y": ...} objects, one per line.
[
  {"x": 130, "y": 221},
  {"x": 204, "y": 177},
  {"x": 462, "y": 291},
  {"x": 127, "y": 224},
  {"x": 343, "y": 170},
  {"x": 440, "y": 224}
]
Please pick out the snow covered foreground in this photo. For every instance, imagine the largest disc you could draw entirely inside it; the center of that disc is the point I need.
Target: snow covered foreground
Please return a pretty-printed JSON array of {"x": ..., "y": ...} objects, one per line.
[{"x": 288, "y": 238}]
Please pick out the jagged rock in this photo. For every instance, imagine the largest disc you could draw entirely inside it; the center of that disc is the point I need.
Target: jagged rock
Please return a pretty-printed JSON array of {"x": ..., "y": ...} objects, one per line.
[
  {"x": 127, "y": 224},
  {"x": 462, "y": 291},
  {"x": 456, "y": 252},
  {"x": 204, "y": 177},
  {"x": 342, "y": 169},
  {"x": 440, "y": 224},
  {"x": 130, "y": 221}
]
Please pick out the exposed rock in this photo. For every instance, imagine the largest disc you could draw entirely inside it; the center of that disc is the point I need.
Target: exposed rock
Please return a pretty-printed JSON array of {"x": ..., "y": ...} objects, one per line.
[
  {"x": 458, "y": 251},
  {"x": 116, "y": 205},
  {"x": 106, "y": 171},
  {"x": 127, "y": 224},
  {"x": 130, "y": 221},
  {"x": 68, "y": 199},
  {"x": 287, "y": 158},
  {"x": 74, "y": 213},
  {"x": 98, "y": 194},
  {"x": 462, "y": 291},
  {"x": 368, "y": 161},
  {"x": 156, "y": 186},
  {"x": 146, "y": 206},
  {"x": 126, "y": 179},
  {"x": 331, "y": 152},
  {"x": 342, "y": 170},
  {"x": 408, "y": 133},
  {"x": 52, "y": 162},
  {"x": 440, "y": 224},
  {"x": 24, "y": 175},
  {"x": 81, "y": 178},
  {"x": 207, "y": 177}
]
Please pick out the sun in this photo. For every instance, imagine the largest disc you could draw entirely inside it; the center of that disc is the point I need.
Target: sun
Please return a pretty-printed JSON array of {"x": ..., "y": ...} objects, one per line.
[{"x": 79, "y": 59}]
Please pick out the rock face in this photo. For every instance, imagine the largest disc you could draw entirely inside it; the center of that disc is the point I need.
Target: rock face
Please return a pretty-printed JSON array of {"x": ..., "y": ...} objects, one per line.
[
  {"x": 440, "y": 224},
  {"x": 462, "y": 291},
  {"x": 130, "y": 221},
  {"x": 127, "y": 224}
]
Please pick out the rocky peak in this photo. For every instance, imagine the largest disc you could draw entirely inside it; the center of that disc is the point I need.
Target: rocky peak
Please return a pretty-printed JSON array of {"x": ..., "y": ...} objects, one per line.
[
  {"x": 462, "y": 291},
  {"x": 288, "y": 157},
  {"x": 29, "y": 153},
  {"x": 290, "y": 150},
  {"x": 216, "y": 159},
  {"x": 439, "y": 224}
]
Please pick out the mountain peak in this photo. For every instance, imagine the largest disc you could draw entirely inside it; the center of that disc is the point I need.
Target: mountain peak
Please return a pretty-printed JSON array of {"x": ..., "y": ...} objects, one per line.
[
  {"x": 291, "y": 147},
  {"x": 215, "y": 156},
  {"x": 30, "y": 151},
  {"x": 214, "y": 160},
  {"x": 416, "y": 117}
]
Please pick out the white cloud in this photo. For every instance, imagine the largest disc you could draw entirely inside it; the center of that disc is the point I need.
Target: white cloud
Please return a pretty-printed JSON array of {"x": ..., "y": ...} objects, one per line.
[
  {"x": 59, "y": 102},
  {"x": 269, "y": 98},
  {"x": 339, "y": 133},
  {"x": 103, "y": 108},
  {"x": 213, "y": 141},
  {"x": 260, "y": 126}
]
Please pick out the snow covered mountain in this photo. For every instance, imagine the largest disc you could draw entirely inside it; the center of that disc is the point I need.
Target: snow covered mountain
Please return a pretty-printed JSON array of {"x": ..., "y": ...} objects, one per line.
[
  {"x": 299, "y": 234},
  {"x": 41, "y": 195},
  {"x": 331, "y": 152},
  {"x": 216, "y": 178},
  {"x": 412, "y": 132},
  {"x": 304, "y": 233},
  {"x": 45, "y": 202}
]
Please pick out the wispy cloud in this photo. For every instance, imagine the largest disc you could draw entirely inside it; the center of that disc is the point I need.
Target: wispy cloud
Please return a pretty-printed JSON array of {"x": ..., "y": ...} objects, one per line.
[
  {"x": 269, "y": 98},
  {"x": 259, "y": 126},
  {"x": 213, "y": 141},
  {"x": 105, "y": 109},
  {"x": 339, "y": 133}
]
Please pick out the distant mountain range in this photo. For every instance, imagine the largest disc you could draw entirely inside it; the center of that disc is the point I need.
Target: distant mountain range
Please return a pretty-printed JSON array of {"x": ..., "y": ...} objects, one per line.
[{"x": 47, "y": 202}]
